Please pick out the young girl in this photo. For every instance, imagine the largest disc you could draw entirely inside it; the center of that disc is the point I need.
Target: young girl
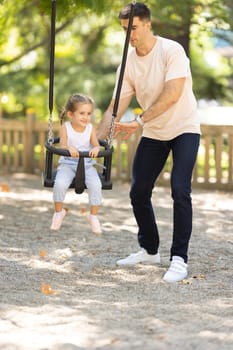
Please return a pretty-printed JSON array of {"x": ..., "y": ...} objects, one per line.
[{"x": 76, "y": 135}]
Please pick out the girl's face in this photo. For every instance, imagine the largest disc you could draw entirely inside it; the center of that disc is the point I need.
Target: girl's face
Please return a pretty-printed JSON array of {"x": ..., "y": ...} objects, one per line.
[{"x": 82, "y": 115}]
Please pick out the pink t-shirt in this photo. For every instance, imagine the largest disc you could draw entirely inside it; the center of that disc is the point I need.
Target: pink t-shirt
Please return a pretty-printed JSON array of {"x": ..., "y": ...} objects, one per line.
[{"x": 145, "y": 77}]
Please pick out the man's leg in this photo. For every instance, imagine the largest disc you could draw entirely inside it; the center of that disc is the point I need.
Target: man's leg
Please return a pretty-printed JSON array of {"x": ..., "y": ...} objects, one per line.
[
  {"x": 149, "y": 160},
  {"x": 184, "y": 151}
]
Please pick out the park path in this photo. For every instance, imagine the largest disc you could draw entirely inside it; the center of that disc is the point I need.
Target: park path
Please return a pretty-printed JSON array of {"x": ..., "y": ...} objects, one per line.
[{"x": 92, "y": 303}]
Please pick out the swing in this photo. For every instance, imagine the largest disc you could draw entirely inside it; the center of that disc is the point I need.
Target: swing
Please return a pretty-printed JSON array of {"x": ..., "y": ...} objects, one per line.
[{"x": 106, "y": 152}]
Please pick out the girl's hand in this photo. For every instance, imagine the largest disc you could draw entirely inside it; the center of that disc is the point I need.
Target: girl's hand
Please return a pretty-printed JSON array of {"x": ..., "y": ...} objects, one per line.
[
  {"x": 73, "y": 152},
  {"x": 94, "y": 152}
]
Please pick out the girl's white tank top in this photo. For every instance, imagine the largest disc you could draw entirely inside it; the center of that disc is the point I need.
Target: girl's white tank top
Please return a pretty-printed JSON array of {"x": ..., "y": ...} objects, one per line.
[{"x": 79, "y": 140}]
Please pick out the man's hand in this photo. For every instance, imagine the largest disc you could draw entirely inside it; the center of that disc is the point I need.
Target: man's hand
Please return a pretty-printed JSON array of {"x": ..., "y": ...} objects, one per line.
[{"x": 126, "y": 128}]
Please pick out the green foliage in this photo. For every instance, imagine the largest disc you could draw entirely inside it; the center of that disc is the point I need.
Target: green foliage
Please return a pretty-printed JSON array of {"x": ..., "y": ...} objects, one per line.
[
  {"x": 68, "y": 7},
  {"x": 212, "y": 73},
  {"x": 89, "y": 44}
]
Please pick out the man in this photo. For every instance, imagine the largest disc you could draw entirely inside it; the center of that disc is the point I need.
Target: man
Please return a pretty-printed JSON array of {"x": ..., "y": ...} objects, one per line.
[{"x": 157, "y": 72}]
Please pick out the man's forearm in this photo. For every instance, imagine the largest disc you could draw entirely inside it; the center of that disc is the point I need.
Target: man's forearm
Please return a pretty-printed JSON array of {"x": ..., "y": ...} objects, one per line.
[
  {"x": 170, "y": 95},
  {"x": 104, "y": 126}
]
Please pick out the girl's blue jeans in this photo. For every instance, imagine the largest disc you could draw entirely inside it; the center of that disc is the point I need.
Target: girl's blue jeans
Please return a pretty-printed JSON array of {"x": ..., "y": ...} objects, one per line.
[
  {"x": 150, "y": 158},
  {"x": 65, "y": 175}
]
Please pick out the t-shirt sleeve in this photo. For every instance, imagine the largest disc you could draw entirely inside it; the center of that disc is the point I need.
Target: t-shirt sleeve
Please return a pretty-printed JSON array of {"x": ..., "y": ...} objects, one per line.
[
  {"x": 177, "y": 63},
  {"x": 126, "y": 88}
]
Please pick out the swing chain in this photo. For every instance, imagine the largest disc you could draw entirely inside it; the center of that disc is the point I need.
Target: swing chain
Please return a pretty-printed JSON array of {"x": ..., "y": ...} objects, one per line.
[
  {"x": 111, "y": 133},
  {"x": 50, "y": 133}
]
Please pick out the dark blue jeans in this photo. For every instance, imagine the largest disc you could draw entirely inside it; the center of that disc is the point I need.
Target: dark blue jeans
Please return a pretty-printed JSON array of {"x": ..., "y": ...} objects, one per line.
[{"x": 150, "y": 158}]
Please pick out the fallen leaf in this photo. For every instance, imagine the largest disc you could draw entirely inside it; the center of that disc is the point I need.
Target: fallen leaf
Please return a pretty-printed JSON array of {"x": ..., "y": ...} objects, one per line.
[
  {"x": 4, "y": 188},
  {"x": 47, "y": 289},
  {"x": 42, "y": 253},
  {"x": 187, "y": 281},
  {"x": 199, "y": 276},
  {"x": 93, "y": 253}
]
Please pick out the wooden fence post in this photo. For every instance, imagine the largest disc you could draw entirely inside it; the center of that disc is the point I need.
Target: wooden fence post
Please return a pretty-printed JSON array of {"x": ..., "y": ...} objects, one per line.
[{"x": 29, "y": 141}]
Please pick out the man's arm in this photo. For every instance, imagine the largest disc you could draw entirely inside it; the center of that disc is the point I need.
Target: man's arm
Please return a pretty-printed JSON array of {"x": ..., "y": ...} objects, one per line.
[
  {"x": 170, "y": 95},
  {"x": 104, "y": 126}
]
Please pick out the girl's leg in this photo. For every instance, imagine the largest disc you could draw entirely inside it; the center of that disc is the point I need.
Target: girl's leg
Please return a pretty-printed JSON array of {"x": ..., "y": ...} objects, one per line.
[
  {"x": 58, "y": 206},
  {"x": 94, "y": 187},
  {"x": 94, "y": 209},
  {"x": 64, "y": 177}
]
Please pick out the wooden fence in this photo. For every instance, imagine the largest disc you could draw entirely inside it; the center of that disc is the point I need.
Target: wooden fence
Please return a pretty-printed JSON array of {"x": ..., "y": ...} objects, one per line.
[{"x": 22, "y": 150}]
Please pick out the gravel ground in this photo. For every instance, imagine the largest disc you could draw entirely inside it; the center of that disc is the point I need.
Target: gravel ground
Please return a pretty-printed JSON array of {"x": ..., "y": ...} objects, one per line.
[{"x": 63, "y": 291}]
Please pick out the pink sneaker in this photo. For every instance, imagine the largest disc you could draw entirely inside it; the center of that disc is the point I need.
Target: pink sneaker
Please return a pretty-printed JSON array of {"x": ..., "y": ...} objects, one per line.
[
  {"x": 94, "y": 223},
  {"x": 57, "y": 219}
]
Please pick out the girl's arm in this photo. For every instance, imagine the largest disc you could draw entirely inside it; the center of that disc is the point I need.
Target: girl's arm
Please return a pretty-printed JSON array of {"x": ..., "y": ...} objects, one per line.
[
  {"x": 63, "y": 142},
  {"x": 95, "y": 143},
  {"x": 63, "y": 136}
]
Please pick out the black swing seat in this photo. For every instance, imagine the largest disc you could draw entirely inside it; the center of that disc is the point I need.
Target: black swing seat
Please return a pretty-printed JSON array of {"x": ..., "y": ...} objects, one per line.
[{"x": 48, "y": 176}]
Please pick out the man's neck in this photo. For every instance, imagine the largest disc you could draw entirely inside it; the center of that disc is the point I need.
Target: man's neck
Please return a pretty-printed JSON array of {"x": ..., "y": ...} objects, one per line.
[{"x": 147, "y": 47}]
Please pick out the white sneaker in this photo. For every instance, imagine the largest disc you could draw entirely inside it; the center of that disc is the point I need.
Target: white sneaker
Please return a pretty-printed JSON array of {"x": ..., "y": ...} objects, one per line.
[
  {"x": 177, "y": 271},
  {"x": 57, "y": 219},
  {"x": 140, "y": 257},
  {"x": 94, "y": 223}
]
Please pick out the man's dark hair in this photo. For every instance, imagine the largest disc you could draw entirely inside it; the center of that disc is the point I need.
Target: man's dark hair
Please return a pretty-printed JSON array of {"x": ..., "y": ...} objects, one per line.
[{"x": 140, "y": 10}]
